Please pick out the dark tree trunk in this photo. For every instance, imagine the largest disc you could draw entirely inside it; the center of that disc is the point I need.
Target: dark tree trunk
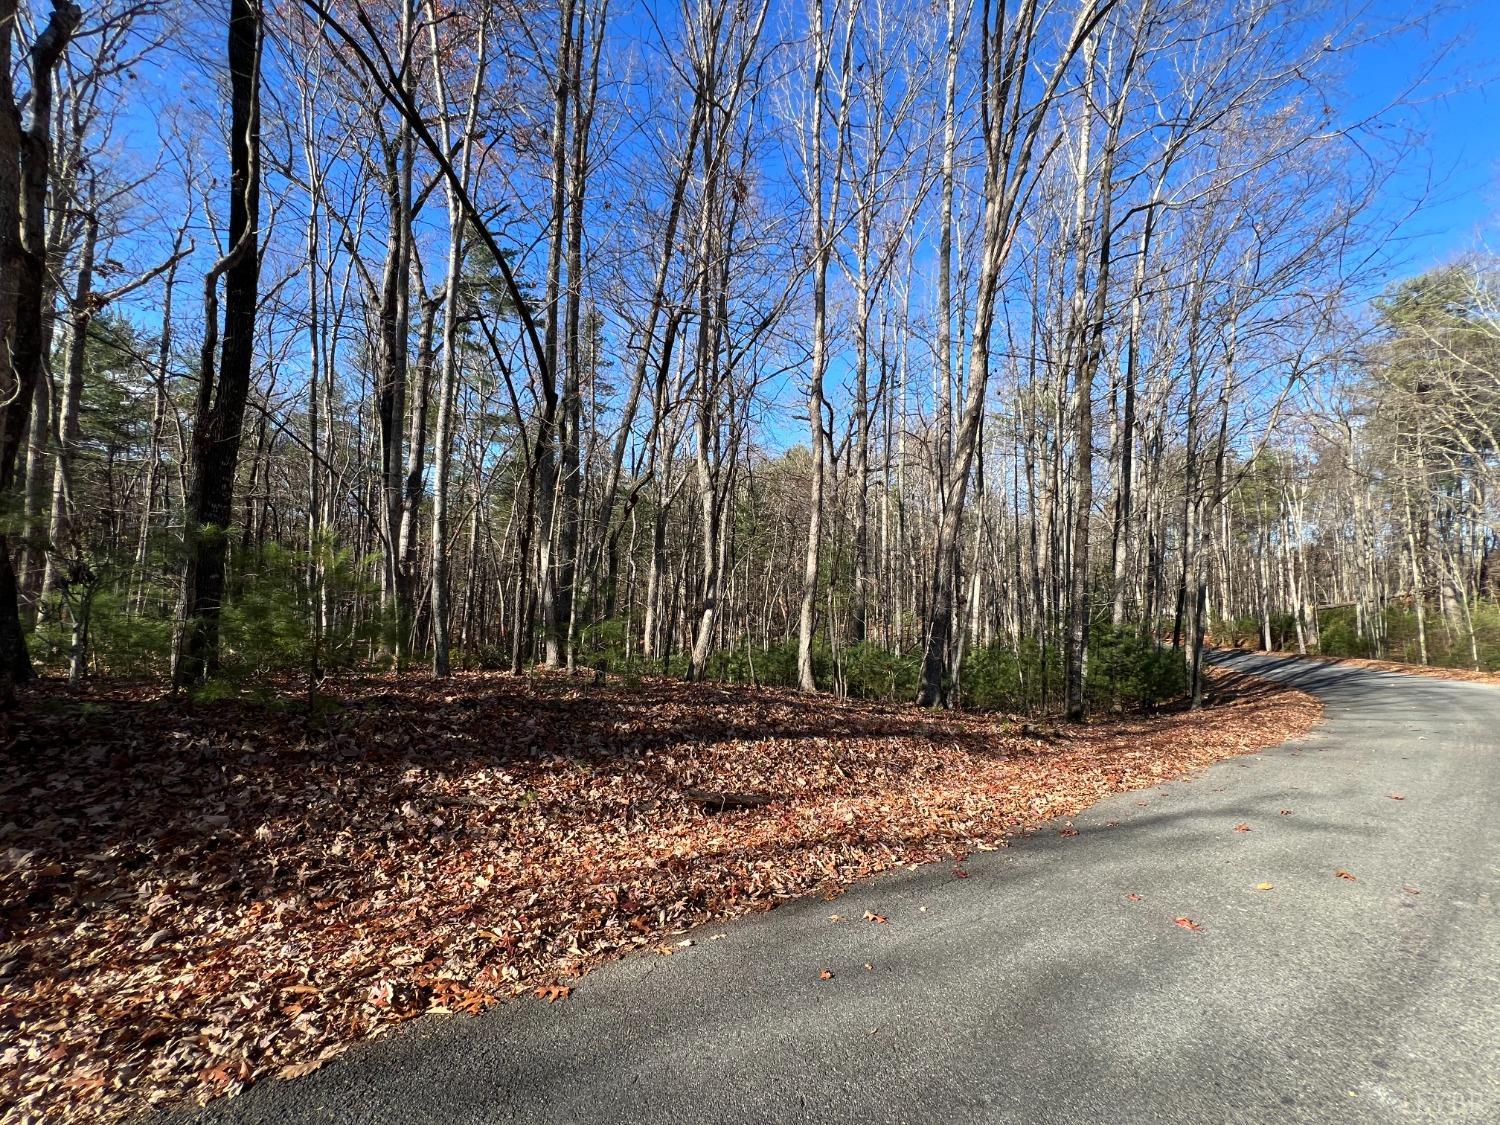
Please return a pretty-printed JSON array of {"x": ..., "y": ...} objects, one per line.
[
  {"x": 25, "y": 161},
  {"x": 222, "y": 396}
]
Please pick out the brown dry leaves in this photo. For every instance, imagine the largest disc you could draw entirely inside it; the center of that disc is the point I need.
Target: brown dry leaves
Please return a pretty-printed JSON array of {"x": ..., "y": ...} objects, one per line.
[{"x": 195, "y": 897}]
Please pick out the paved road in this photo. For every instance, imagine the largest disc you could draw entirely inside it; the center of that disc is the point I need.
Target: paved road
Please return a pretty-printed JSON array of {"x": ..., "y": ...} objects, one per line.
[{"x": 1036, "y": 990}]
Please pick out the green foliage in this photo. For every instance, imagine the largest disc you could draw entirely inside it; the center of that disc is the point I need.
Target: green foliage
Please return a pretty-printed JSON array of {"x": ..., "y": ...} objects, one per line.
[
  {"x": 772, "y": 667},
  {"x": 1246, "y": 631},
  {"x": 1131, "y": 671},
  {"x": 745, "y": 666},
  {"x": 870, "y": 672},
  {"x": 130, "y": 643},
  {"x": 265, "y": 627},
  {"x": 1338, "y": 635},
  {"x": 1238, "y": 631},
  {"x": 489, "y": 658},
  {"x": 1126, "y": 670},
  {"x": 999, "y": 678},
  {"x": 604, "y": 640},
  {"x": 769, "y": 667},
  {"x": 1283, "y": 631},
  {"x": 1447, "y": 642},
  {"x": 122, "y": 640},
  {"x": 224, "y": 688}
]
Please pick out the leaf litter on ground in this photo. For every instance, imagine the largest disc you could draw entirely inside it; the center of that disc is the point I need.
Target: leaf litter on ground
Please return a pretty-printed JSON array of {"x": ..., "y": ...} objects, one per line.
[{"x": 196, "y": 896}]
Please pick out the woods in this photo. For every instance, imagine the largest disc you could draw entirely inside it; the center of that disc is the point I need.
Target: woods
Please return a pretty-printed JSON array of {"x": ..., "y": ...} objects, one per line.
[
  {"x": 489, "y": 485},
  {"x": 999, "y": 355}
]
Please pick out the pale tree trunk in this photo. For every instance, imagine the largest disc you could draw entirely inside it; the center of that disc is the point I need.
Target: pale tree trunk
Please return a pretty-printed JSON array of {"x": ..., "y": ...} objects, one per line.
[
  {"x": 943, "y": 439},
  {"x": 60, "y": 526},
  {"x": 393, "y": 312},
  {"x": 160, "y": 407},
  {"x": 1009, "y": 145},
  {"x": 1075, "y": 649},
  {"x": 448, "y": 376},
  {"x": 565, "y": 608},
  {"x": 547, "y": 475},
  {"x": 1418, "y": 589},
  {"x": 822, "y": 238},
  {"x": 1124, "y": 542}
]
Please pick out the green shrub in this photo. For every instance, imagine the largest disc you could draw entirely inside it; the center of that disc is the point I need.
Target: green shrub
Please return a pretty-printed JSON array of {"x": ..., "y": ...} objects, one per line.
[
  {"x": 266, "y": 625},
  {"x": 1338, "y": 635},
  {"x": 1238, "y": 631},
  {"x": 128, "y": 643},
  {"x": 1132, "y": 671},
  {"x": 1447, "y": 646},
  {"x": 1283, "y": 631},
  {"x": 121, "y": 642},
  {"x": 871, "y": 672},
  {"x": 999, "y": 678}
]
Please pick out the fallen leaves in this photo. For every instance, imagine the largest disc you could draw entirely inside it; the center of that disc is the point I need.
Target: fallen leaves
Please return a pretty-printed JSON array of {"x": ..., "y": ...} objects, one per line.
[
  {"x": 202, "y": 896},
  {"x": 1242, "y": 827},
  {"x": 1066, "y": 832},
  {"x": 1133, "y": 897},
  {"x": 1410, "y": 889},
  {"x": 1188, "y": 924},
  {"x": 826, "y": 974},
  {"x": 871, "y": 916},
  {"x": 228, "y": 1072},
  {"x": 1265, "y": 886},
  {"x": 1342, "y": 874},
  {"x": 300, "y": 1069},
  {"x": 1396, "y": 796}
]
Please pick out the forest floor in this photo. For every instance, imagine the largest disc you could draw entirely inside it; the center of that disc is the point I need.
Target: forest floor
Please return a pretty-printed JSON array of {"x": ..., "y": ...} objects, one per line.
[
  {"x": 195, "y": 897},
  {"x": 1432, "y": 671}
]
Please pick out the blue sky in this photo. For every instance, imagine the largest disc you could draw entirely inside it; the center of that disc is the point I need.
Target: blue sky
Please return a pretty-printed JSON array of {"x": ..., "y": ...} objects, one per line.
[
  {"x": 1450, "y": 173},
  {"x": 1455, "y": 171}
]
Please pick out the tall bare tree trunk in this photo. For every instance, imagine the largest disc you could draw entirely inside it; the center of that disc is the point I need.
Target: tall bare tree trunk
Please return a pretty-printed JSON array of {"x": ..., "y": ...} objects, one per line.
[
  {"x": 25, "y": 162},
  {"x": 60, "y": 525},
  {"x": 223, "y": 392},
  {"x": 448, "y": 377}
]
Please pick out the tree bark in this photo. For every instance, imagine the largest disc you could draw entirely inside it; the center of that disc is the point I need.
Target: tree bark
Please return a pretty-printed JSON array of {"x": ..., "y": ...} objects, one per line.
[
  {"x": 25, "y": 162},
  {"x": 223, "y": 392}
]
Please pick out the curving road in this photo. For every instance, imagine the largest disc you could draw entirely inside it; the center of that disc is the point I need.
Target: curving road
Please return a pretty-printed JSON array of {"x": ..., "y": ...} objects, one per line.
[{"x": 1037, "y": 990}]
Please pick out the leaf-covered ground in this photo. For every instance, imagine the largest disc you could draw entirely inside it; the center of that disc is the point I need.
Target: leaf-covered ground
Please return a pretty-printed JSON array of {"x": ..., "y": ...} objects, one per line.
[{"x": 196, "y": 897}]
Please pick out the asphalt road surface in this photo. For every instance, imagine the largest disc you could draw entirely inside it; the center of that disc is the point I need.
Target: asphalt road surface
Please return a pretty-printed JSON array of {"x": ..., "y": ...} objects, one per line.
[{"x": 1037, "y": 990}]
